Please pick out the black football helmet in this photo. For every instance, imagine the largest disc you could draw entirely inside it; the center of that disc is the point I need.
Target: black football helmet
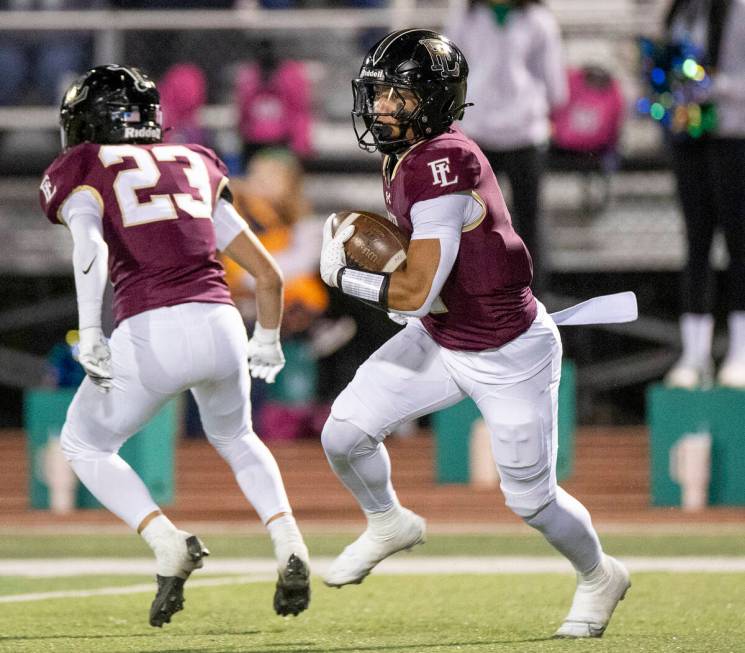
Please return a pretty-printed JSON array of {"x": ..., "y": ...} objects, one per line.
[
  {"x": 111, "y": 104},
  {"x": 417, "y": 61}
]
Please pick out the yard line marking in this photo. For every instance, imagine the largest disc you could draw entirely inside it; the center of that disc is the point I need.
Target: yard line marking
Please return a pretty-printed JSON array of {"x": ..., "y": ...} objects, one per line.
[
  {"x": 125, "y": 589},
  {"x": 402, "y": 564},
  {"x": 263, "y": 569},
  {"x": 685, "y": 526}
]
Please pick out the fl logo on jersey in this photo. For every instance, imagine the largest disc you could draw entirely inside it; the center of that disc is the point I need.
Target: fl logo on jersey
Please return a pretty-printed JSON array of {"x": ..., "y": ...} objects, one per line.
[
  {"x": 440, "y": 171},
  {"x": 443, "y": 57},
  {"x": 47, "y": 188}
]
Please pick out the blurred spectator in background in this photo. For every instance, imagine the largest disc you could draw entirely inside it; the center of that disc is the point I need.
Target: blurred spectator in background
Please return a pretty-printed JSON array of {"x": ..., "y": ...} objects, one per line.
[
  {"x": 586, "y": 133},
  {"x": 62, "y": 369},
  {"x": 271, "y": 199},
  {"x": 516, "y": 78},
  {"x": 38, "y": 66},
  {"x": 710, "y": 172},
  {"x": 274, "y": 103},
  {"x": 589, "y": 124},
  {"x": 183, "y": 92}
]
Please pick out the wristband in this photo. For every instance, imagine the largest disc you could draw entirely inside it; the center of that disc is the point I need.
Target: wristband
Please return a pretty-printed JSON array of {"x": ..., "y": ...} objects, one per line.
[
  {"x": 265, "y": 336},
  {"x": 370, "y": 287},
  {"x": 89, "y": 313}
]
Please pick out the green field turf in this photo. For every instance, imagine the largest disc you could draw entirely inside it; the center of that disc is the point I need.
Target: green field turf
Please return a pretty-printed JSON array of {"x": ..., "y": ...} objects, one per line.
[
  {"x": 431, "y": 614},
  {"x": 254, "y": 545},
  {"x": 683, "y": 612}
]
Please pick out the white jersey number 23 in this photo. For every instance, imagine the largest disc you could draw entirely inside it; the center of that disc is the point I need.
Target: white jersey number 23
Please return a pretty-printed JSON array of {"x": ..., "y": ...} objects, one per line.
[{"x": 146, "y": 176}]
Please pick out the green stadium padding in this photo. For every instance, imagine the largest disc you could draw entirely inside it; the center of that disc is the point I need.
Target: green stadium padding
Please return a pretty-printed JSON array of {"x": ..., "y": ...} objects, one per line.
[
  {"x": 149, "y": 452},
  {"x": 298, "y": 382},
  {"x": 672, "y": 413},
  {"x": 452, "y": 428}
]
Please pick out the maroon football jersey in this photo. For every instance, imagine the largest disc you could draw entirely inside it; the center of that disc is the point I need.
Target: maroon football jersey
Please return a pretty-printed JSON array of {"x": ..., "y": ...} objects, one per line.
[
  {"x": 157, "y": 203},
  {"x": 487, "y": 297}
]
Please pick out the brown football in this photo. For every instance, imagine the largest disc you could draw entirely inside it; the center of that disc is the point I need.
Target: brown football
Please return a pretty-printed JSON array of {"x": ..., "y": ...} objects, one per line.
[{"x": 377, "y": 245}]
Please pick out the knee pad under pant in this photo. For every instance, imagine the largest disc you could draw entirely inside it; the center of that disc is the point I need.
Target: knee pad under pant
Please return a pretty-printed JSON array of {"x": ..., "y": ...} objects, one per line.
[{"x": 342, "y": 439}]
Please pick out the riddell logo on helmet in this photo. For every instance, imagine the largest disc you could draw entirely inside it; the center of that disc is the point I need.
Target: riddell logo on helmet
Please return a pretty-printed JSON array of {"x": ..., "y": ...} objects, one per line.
[
  {"x": 141, "y": 132},
  {"x": 372, "y": 72}
]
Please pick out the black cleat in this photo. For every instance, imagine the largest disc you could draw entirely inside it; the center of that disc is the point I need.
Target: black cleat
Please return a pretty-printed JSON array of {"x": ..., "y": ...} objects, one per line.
[
  {"x": 169, "y": 598},
  {"x": 292, "y": 595}
]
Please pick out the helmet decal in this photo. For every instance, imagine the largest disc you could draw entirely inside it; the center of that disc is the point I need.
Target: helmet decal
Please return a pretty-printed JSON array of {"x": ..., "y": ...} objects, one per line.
[
  {"x": 444, "y": 59},
  {"x": 141, "y": 83},
  {"x": 387, "y": 42},
  {"x": 75, "y": 94}
]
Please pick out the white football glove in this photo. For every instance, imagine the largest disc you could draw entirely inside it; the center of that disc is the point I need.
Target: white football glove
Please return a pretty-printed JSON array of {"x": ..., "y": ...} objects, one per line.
[
  {"x": 265, "y": 357},
  {"x": 333, "y": 257},
  {"x": 95, "y": 357}
]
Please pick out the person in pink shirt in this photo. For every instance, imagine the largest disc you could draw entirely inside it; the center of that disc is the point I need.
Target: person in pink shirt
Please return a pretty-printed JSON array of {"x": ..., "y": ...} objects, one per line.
[
  {"x": 274, "y": 104},
  {"x": 183, "y": 93}
]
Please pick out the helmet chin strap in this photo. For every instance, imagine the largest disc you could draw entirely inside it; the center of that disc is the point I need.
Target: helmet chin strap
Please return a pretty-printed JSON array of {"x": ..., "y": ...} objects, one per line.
[{"x": 387, "y": 142}]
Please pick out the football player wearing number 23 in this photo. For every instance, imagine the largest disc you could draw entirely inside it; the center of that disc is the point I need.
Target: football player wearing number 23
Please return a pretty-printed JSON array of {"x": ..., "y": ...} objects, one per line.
[
  {"x": 152, "y": 216},
  {"x": 474, "y": 328}
]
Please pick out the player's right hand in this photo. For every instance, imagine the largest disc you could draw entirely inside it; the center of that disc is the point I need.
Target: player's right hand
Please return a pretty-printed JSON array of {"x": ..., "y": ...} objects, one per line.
[{"x": 95, "y": 357}]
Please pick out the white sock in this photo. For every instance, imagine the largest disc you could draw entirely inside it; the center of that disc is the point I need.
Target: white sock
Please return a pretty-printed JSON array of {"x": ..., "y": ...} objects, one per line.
[
  {"x": 696, "y": 332},
  {"x": 567, "y": 526},
  {"x": 596, "y": 575},
  {"x": 736, "y": 326},
  {"x": 361, "y": 462},
  {"x": 168, "y": 544},
  {"x": 287, "y": 539},
  {"x": 158, "y": 528},
  {"x": 385, "y": 525}
]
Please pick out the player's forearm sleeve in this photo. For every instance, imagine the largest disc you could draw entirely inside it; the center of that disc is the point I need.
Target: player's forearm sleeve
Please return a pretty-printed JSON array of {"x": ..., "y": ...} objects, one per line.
[
  {"x": 443, "y": 218},
  {"x": 90, "y": 255},
  {"x": 228, "y": 223}
]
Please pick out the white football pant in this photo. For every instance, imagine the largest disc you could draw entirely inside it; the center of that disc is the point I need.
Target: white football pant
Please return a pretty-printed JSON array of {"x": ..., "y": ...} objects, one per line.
[
  {"x": 157, "y": 355},
  {"x": 516, "y": 390}
]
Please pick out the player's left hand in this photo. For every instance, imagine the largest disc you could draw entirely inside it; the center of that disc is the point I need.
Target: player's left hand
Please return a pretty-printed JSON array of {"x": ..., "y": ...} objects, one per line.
[
  {"x": 333, "y": 257},
  {"x": 265, "y": 357},
  {"x": 95, "y": 357}
]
